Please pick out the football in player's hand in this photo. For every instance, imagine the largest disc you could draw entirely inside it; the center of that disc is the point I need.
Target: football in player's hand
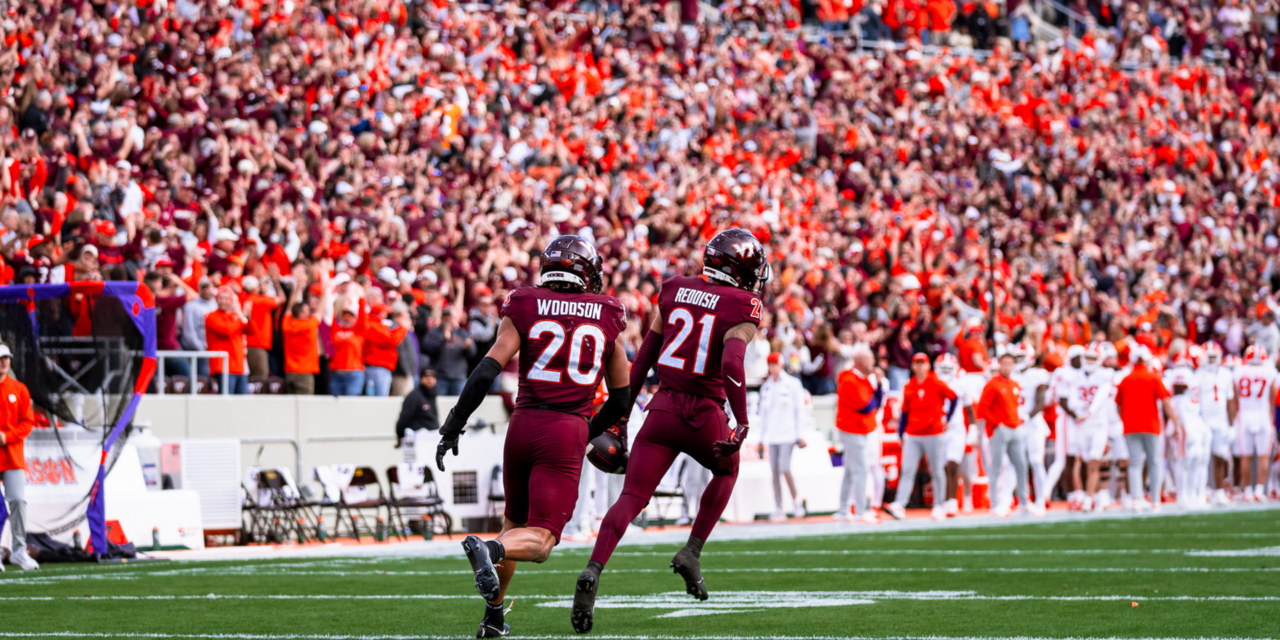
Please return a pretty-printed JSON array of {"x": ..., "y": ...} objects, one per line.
[{"x": 608, "y": 453}]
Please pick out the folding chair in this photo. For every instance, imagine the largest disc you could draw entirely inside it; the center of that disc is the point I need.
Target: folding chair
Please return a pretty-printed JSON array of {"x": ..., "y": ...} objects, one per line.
[
  {"x": 287, "y": 509},
  {"x": 332, "y": 479},
  {"x": 424, "y": 496},
  {"x": 267, "y": 516},
  {"x": 497, "y": 496},
  {"x": 258, "y": 522},
  {"x": 670, "y": 494},
  {"x": 356, "y": 499}
]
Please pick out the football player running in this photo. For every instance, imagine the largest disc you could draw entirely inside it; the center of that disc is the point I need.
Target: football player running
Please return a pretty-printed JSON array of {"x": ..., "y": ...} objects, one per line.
[
  {"x": 1256, "y": 392},
  {"x": 1218, "y": 410},
  {"x": 567, "y": 335},
  {"x": 697, "y": 341}
]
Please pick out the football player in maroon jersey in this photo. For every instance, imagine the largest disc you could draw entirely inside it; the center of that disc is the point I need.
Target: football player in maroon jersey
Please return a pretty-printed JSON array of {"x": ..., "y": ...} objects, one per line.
[
  {"x": 566, "y": 333},
  {"x": 697, "y": 342}
]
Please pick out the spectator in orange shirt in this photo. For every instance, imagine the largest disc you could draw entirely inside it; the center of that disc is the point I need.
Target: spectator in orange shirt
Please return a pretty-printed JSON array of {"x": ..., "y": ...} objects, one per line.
[
  {"x": 346, "y": 368},
  {"x": 997, "y": 412},
  {"x": 225, "y": 330},
  {"x": 17, "y": 419},
  {"x": 1138, "y": 399},
  {"x": 301, "y": 329},
  {"x": 923, "y": 422},
  {"x": 973, "y": 351},
  {"x": 260, "y": 335},
  {"x": 380, "y": 350},
  {"x": 859, "y": 394}
]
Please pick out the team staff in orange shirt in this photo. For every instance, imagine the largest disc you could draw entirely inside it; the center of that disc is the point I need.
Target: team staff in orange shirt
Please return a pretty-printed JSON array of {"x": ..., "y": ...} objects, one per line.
[
  {"x": 859, "y": 393},
  {"x": 923, "y": 422},
  {"x": 1138, "y": 398},
  {"x": 997, "y": 412},
  {"x": 301, "y": 329},
  {"x": 17, "y": 419},
  {"x": 224, "y": 330}
]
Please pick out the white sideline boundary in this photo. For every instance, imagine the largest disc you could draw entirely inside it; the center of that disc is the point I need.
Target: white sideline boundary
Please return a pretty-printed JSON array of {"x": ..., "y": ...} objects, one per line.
[
  {"x": 302, "y": 636},
  {"x": 760, "y": 531},
  {"x": 260, "y": 571},
  {"x": 728, "y": 598}
]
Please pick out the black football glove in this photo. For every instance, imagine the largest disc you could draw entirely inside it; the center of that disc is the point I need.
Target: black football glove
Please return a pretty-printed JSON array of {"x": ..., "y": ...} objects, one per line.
[
  {"x": 448, "y": 439},
  {"x": 726, "y": 448}
]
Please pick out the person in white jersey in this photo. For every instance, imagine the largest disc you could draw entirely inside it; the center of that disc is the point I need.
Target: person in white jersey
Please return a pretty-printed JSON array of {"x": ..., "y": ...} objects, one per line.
[
  {"x": 1218, "y": 411},
  {"x": 1034, "y": 382},
  {"x": 1117, "y": 449},
  {"x": 1062, "y": 387},
  {"x": 1191, "y": 468},
  {"x": 1086, "y": 407},
  {"x": 948, "y": 368},
  {"x": 1256, "y": 394}
]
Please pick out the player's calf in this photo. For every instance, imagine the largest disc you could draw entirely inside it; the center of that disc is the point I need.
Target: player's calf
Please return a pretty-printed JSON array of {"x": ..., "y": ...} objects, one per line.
[{"x": 688, "y": 563}]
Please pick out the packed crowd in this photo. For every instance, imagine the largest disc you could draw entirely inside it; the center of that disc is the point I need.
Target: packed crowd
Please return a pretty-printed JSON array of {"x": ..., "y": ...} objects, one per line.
[{"x": 336, "y": 192}]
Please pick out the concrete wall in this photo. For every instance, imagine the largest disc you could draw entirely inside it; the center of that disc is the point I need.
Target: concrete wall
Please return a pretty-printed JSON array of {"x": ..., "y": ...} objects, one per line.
[{"x": 368, "y": 423}]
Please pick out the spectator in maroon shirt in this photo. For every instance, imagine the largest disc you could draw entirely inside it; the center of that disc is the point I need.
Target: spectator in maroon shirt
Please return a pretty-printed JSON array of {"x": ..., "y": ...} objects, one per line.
[{"x": 171, "y": 294}]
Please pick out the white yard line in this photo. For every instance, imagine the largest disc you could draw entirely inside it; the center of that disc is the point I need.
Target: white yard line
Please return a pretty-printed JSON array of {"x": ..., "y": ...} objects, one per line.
[
  {"x": 303, "y": 636},
  {"x": 932, "y": 552},
  {"x": 759, "y": 531},
  {"x": 257, "y": 570},
  {"x": 667, "y": 600},
  {"x": 1234, "y": 553}
]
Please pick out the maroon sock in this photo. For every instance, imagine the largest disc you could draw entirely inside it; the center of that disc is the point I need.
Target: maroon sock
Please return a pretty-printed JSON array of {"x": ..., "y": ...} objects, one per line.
[{"x": 712, "y": 506}]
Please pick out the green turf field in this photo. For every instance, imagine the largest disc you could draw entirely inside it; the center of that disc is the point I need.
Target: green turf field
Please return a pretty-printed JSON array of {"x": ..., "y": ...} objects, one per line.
[{"x": 1063, "y": 579}]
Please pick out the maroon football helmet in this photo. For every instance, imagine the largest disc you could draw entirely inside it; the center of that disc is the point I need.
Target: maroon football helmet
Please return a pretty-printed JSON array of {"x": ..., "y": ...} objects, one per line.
[
  {"x": 608, "y": 453},
  {"x": 737, "y": 258},
  {"x": 573, "y": 261}
]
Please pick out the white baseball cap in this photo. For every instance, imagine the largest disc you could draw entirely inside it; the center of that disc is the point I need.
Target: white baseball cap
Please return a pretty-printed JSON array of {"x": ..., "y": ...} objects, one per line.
[{"x": 5, "y": 352}]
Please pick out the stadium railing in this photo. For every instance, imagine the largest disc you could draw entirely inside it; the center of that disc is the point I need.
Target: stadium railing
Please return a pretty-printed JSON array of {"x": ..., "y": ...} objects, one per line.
[{"x": 193, "y": 357}]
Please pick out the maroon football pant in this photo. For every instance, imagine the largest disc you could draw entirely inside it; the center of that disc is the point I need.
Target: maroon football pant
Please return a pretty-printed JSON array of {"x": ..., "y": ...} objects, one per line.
[
  {"x": 542, "y": 460},
  {"x": 668, "y": 432}
]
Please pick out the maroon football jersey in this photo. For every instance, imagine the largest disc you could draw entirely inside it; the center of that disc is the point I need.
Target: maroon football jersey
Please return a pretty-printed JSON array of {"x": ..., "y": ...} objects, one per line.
[
  {"x": 565, "y": 341},
  {"x": 696, "y": 314}
]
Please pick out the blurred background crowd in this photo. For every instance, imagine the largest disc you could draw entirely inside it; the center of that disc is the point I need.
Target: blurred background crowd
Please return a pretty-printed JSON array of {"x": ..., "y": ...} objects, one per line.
[{"x": 336, "y": 191}]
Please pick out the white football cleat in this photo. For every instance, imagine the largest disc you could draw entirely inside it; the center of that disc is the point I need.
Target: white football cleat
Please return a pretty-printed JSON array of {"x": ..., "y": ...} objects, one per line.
[
  {"x": 778, "y": 516},
  {"x": 938, "y": 513},
  {"x": 869, "y": 517},
  {"x": 24, "y": 561},
  {"x": 953, "y": 507},
  {"x": 1036, "y": 510},
  {"x": 842, "y": 516},
  {"x": 894, "y": 510}
]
